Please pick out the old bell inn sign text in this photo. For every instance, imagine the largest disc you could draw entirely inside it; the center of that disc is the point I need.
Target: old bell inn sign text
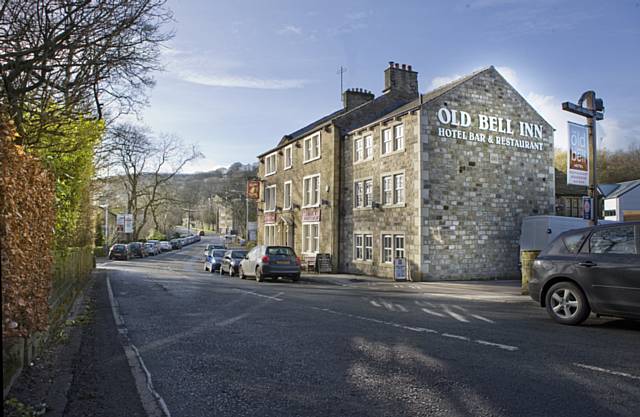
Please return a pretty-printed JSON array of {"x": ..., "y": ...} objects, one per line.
[{"x": 494, "y": 127}]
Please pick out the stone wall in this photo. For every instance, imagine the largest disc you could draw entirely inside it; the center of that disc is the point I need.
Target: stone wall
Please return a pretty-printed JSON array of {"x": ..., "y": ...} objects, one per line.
[
  {"x": 403, "y": 219},
  {"x": 475, "y": 194}
]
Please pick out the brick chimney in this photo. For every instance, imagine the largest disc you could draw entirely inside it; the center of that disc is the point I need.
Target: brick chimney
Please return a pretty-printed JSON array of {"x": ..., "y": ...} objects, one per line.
[
  {"x": 354, "y": 97},
  {"x": 401, "y": 78}
]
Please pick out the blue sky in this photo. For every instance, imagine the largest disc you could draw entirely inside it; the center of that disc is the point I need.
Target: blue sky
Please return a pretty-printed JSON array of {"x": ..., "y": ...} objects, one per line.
[{"x": 241, "y": 74}]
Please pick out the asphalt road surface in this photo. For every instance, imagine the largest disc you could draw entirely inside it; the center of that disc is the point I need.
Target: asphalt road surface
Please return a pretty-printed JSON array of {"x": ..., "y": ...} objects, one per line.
[{"x": 221, "y": 346}]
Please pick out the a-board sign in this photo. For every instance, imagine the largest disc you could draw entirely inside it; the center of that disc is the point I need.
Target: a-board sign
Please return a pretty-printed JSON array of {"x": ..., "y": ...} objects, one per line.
[
  {"x": 323, "y": 262},
  {"x": 400, "y": 269}
]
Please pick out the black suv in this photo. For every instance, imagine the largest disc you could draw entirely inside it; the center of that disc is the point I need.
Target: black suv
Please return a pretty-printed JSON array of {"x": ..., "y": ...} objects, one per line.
[
  {"x": 593, "y": 269},
  {"x": 119, "y": 251}
]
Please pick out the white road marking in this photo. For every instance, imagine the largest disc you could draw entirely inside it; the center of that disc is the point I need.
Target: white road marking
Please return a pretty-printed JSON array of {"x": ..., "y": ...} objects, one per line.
[
  {"x": 417, "y": 329},
  {"x": 607, "y": 371},
  {"x": 479, "y": 317},
  {"x": 433, "y": 313},
  {"x": 375, "y": 303},
  {"x": 455, "y": 315},
  {"x": 271, "y": 297}
]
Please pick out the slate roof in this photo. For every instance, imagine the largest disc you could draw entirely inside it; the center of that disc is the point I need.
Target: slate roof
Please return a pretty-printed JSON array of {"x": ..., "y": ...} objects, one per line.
[{"x": 623, "y": 188}]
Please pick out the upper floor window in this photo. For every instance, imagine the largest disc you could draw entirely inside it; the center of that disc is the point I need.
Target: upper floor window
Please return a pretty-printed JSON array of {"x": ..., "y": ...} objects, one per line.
[
  {"x": 287, "y": 196},
  {"x": 270, "y": 164},
  {"x": 270, "y": 198},
  {"x": 358, "y": 150},
  {"x": 368, "y": 193},
  {"x": 311, "y": 190},
  {"x": 312, "y": 148},
  {"x": 368, "y": 147},
  {"x": 288, "y": 157},
  {"x": 393, "y": 189},
  {"x": 398, "y": 137},
  {"x": 358, "y": 191},
  {"x": 387, "y": 141}
]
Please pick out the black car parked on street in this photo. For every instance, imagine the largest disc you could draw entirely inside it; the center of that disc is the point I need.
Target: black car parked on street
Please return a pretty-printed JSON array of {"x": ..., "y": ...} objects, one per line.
[
  {"x": 119, "y": 251},
  {"x": 137, "y": 249},
  {"x": 595, "y": 269},
  {"x": 231, "y": 261}
]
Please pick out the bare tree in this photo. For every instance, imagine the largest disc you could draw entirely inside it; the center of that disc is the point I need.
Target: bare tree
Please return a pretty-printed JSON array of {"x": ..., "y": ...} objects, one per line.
[
  {"x": 60, "y": 58},
  {"x": 148, "y": 165}
]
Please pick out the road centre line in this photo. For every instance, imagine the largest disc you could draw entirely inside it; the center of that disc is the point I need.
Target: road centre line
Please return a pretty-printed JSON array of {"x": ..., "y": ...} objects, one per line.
[
  {"x": 607, "y": 371},
  {"x": 419, "y": 329}
]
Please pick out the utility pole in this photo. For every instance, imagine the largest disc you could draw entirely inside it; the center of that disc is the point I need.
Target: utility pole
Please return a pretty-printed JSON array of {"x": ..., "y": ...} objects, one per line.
[
  {"x": 593, "y": 111},
  {"x": 341, "y": 72}
]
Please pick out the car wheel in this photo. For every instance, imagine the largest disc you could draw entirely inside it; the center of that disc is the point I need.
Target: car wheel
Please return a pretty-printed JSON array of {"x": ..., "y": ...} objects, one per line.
[
  {"x": 295, "y": 278},
  {"x": 567, "y": 304},
  {"x": 205, "y": 267},
  {"x": 230, "y": 271},
  {"x": 241, "y": 273},
  {"x": 259, "y": 277}
]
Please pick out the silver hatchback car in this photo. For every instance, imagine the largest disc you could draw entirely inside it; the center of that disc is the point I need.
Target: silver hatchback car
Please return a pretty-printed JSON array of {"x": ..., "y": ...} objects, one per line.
[{"x": 270, "y": 262}]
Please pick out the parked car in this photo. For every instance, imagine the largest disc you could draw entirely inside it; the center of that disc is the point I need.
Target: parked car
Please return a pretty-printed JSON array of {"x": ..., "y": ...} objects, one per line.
[
  {"x": 201, "y": 233},
  {"x": 137, "y": 249},
  {"x": 270, "y": 261},
  {"x": 595, "y": 269},
  {"x": 152, "y": 249},
  {"x": 165, "y": 246},
  {"x": 231, "y": 261},
  {"x": 212, "y": 246},
  {"x": 119, "y": 251},
  {"x": 175, "y": 244},
  {"x": 213, "y": 260}
]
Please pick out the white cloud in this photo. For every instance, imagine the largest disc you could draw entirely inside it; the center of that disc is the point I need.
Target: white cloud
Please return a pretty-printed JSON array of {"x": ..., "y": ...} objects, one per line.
[
  {"x": 290, "y": 29},
  {"x": 440, "y": 81},
  {"x": 198, "y": 68},
  {"x": 213, "y": 80},
  {"x": 509, "y": 74}
]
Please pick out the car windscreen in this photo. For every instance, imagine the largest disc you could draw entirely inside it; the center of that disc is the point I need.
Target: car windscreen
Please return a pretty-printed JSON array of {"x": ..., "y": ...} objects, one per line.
[
  {"x": 217, "y": 253},
  {"x": 238, "y": 254},
  {"x": 280, "y": 250}
]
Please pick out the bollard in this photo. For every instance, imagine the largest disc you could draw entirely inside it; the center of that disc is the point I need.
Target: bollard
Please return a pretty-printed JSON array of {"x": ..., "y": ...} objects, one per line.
[{"x": 526, "y": 260}]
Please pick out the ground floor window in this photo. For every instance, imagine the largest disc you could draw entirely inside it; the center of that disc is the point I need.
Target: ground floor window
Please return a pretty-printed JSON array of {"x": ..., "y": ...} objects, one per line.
[
  {"x": 358, "y": 247},
  {"x": 368, "y": 247},
  {"x": 392, "y": 247},
  {"x": 270, "y": 234},
  {"x": 310, "y": 237}
]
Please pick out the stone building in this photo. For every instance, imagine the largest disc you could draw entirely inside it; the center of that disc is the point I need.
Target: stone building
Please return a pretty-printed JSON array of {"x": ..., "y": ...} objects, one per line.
[{"x": 441, "y": 179}]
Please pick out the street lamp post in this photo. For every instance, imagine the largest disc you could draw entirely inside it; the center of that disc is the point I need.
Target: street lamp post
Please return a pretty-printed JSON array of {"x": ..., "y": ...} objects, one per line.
[
  {"x": 105, "y": 235},
  {"x": 593, "y": 111}
]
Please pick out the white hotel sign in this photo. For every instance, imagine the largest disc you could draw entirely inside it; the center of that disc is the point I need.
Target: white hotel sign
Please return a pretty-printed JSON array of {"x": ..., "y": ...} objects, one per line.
[{"x": 495, "y": 127}]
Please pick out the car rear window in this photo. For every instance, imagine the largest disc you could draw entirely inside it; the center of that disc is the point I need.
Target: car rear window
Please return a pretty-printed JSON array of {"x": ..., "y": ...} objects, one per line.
[
  {"x": 567, "y": 244},
  {"x": 238, "y": 254},
  {"x": 280, "y": 250},
  {"x": 217, "y": 253}
]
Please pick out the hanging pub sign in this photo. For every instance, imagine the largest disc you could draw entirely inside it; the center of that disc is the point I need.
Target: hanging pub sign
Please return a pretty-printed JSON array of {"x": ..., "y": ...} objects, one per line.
[
  {"x": 253, "y": 189},
  {"x": 578, "y": 155}
]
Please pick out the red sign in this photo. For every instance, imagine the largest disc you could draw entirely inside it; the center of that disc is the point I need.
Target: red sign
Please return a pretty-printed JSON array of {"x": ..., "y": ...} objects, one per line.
[
  {"x": 269, "y": 218},
  {"x": 311, "y": 214},
  {"x": 253, "y": 189}
]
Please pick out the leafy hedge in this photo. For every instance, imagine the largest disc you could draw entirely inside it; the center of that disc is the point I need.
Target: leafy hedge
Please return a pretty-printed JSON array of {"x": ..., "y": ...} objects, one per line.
[{"x": 27, "y": 201}]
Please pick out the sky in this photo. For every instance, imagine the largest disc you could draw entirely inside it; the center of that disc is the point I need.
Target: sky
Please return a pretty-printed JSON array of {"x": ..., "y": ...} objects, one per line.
[{"x": 241, "y": 74}]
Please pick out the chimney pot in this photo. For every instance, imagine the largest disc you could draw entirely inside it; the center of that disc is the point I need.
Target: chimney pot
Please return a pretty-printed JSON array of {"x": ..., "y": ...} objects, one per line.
[
  {"x": 404, "y": 66},
  {"x": 390, "y": 64},
  {"x": 409, "y": 67}
]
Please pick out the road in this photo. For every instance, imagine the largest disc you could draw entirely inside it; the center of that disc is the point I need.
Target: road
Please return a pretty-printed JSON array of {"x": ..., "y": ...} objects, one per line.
[{"x": 221, "y": 346}]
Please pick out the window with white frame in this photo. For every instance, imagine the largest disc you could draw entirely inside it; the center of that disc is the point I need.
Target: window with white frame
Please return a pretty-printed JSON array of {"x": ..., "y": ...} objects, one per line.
[
  {"x": 358, "y": 249},
  {"x": 368, "y": 247},
  {"x": 387, "y": 248},
  {"x": 311, "y": 190},
  {"x": 288, "y": 157},
  {"x": 387, "y": 189},
  {"x": 270, "y": 198},
  {"x": 387, "y": 141},
  {"x": 368, "y": 147},
  {"x": 368, "y": 193},
  {"x": 310, "y": 237},
  {"x": 287, "y": 196},
  {"x": 392, "y": 247},
  {"x": 358, "y": 194},
  {"x": 393, "y": 189},
  {"x": 398, "y": 246},
  {"x": 398, "y": 137},
  {"x": 398, "y": 189},
  {"x": 358, "y": 150},
  {"x": 269, "y": 234},
  {"x": 312, "y": 148},
  {"x": 270, "y": 164}
]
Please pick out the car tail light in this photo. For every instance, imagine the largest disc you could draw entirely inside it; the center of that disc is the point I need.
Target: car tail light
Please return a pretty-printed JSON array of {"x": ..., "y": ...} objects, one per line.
[
  {"x": 298, "y": 262},
  {"x": 265, "y": 259}
]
